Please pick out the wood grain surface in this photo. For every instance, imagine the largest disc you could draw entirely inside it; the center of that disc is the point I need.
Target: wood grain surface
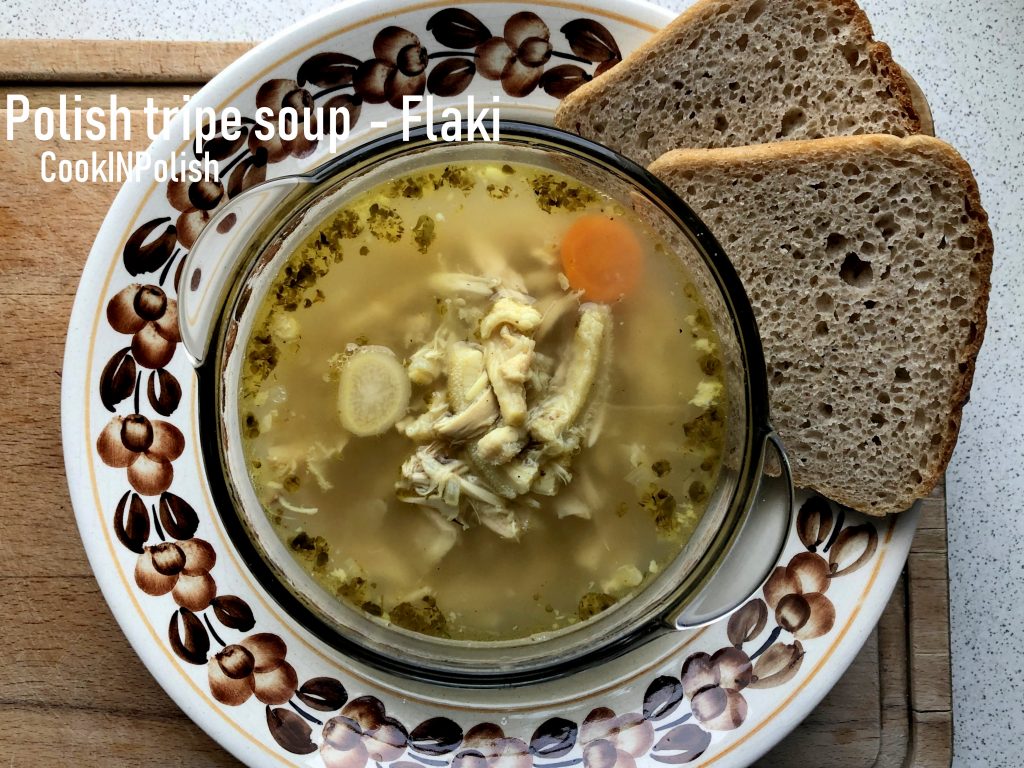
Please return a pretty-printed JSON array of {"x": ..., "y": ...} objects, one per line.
[{"x": 72, "y": 692}]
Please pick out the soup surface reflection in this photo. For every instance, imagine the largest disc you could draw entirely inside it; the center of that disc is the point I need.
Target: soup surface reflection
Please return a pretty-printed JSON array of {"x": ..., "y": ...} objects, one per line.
[{"x": 481, "y": 402}]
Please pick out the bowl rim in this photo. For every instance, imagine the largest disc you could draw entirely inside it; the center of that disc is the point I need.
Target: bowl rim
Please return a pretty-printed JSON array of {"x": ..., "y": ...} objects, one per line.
[{"x": 308, "y": 189}]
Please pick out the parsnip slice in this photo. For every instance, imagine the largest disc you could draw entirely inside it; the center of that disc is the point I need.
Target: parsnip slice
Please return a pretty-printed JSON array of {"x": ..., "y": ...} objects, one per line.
[{"x": 373, "y": 393}]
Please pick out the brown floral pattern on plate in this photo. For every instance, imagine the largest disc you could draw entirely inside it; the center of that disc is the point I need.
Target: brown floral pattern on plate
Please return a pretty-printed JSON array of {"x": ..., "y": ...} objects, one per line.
[
  {"x": 678, "y": 714},
  {"x": 181, "y": 568},
  {"x": 145, "y": 447},
  {"x": 254, "y": 666}
]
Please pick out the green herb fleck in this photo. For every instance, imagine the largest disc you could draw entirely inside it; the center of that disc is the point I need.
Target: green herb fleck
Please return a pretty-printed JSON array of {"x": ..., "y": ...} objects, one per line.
[
  {"x": 552, "y": 192},
  {"x": 594, "y": 603},
  {"x": 299, "y": 276},
  {"x": 698, "y": 492},
  {"x": 661, "y": 468},
  {"x": 262, "y": 356},
  {"x": 423, "y": 233},
  {"x": 410, "y": 187},
  {"x": 458, "y": 177},
  {"x": 662, "y": 505},
  {"x": 705, "y": 429},
  {"x": 353, "y": 589},
  {"x": 346, "y": 224},
  {"x": 422, "y": 616},
  {"x": 314, "y": 549},
  {"x": 252, "y": 426},
  {"x": 499, "y": 193},
  {"x": 385, "y": 223}
]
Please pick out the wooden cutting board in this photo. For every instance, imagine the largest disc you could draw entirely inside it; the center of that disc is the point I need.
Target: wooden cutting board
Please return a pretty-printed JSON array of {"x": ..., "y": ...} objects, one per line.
[{"x": 71, "y": 689}]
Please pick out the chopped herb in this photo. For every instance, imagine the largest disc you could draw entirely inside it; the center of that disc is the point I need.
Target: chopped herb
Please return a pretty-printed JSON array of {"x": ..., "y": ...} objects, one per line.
[
  {"x": 499, "y": 193},
  {"x": 305, "y": 276},
  {"x": 421, "y": 616},
  {"x": 252, "y": 426},
  {"x": 661, "y": 468},
  {"x": 458, "y": 177},
  {"x": 423, "y": 233},
  {"x": 292, "y": 483},
  {"x": 299, "y": 276},
  {"x": 410, "y": 187},
  {"x": 706, "y": 428},
  {"x": 385, "y": 223},
  {"x": 507, "y": 169},
  {"x": 363, "y": 250},
  {"x": 353, "y": 589},
  {"x": 345, "y": 224},
  {"x": 594, "y": 603},
  {"x": 698, "y": 492},
  {"x": 662, "y": 505},
  {"x": 552, "y": 192},
  {"x": 622, "y": 510},
  {"x": 263, "y": 355},
  {"x": 314, "y": 549}
]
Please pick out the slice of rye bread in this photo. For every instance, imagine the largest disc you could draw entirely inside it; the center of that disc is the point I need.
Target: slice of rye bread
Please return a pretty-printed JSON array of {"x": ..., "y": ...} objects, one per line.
[
  {"x": 867, "y": 262},
  {"x": 729, "y": 73}
]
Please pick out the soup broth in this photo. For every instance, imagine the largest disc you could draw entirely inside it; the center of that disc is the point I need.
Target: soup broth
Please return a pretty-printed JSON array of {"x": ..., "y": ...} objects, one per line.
[{"x": 482, "y": 401}]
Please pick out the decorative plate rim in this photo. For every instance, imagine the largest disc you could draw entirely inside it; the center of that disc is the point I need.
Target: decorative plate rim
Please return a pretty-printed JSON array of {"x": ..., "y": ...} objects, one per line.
[{"x": 91, "y": 512}]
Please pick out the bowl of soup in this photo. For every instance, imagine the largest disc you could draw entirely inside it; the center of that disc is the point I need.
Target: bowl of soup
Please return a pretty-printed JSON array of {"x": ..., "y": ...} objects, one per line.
[{"x": 479, "y": 413}]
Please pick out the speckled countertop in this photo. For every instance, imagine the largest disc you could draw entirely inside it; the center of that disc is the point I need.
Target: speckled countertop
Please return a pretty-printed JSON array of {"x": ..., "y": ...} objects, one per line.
[{"x": 968, "y": 56}]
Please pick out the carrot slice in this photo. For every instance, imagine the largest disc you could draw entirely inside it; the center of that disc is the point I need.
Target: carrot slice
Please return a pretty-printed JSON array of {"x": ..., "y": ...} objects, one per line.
[{"x": 602, "y": 257}]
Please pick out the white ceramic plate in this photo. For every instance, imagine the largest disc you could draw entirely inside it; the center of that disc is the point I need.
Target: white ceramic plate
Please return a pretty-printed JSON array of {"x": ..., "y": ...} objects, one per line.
[{"x": 722, "y": 695}]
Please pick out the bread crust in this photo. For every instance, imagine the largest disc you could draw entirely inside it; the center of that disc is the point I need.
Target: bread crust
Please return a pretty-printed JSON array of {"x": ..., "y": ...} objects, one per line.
[
  {"x": 850, "y": 146},
  {"x": 568, "y": 106},
  {"x": 566, "y": 116},
  {"x": 881, "y": 56}
]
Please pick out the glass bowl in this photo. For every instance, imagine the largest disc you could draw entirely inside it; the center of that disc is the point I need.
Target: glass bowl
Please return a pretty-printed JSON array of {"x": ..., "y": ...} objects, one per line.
[{"x": 737, "y": 541}]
